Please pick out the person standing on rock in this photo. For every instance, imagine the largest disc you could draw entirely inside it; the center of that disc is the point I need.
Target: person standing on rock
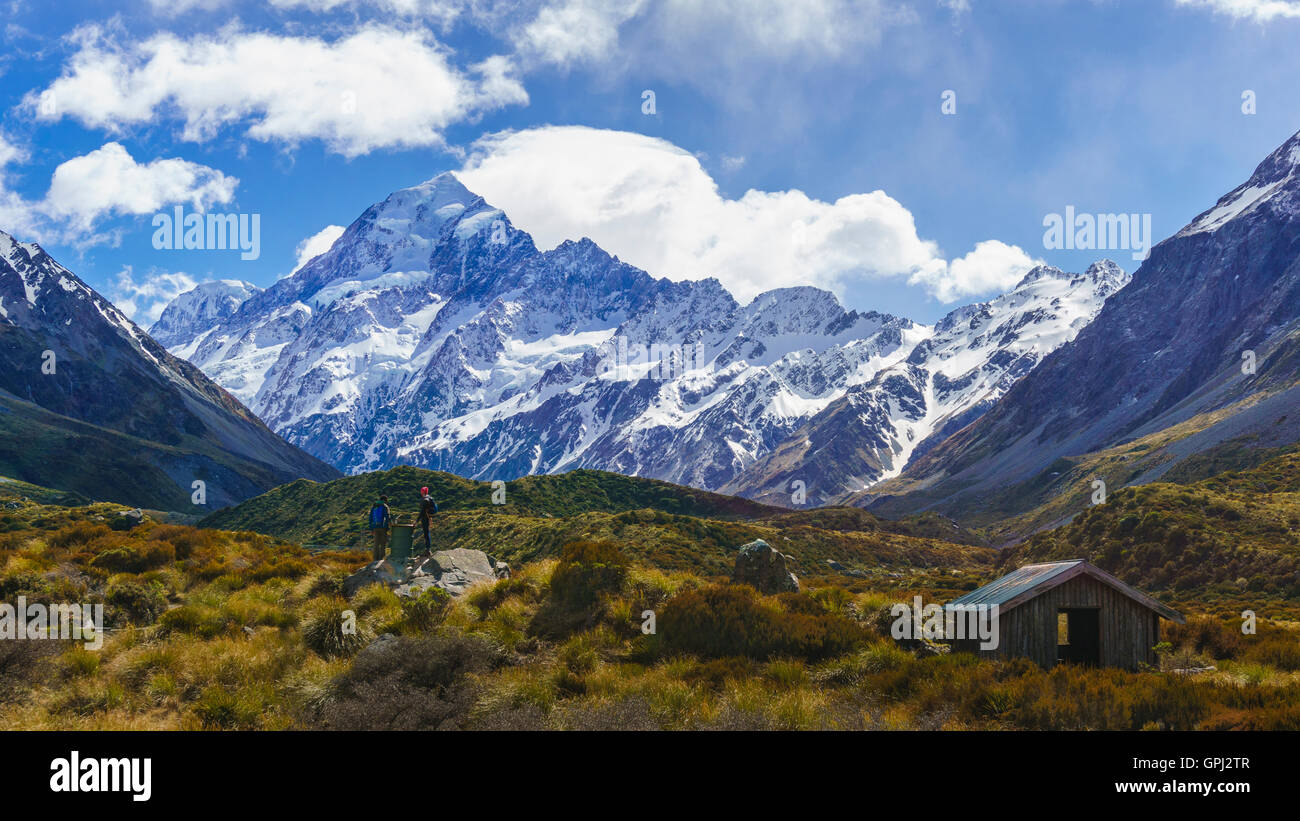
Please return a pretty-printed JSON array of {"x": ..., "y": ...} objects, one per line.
[
  {"x": 381, "y": 520},
  {"x": 428, "y": 507}
]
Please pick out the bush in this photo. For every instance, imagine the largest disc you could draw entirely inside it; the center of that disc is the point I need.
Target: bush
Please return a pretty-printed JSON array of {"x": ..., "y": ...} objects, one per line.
[
  {"x": 425, "y": 613},
  {"x": 138, "y": 603},
  {"x": 586, "y": 571},
  {"x": 1208, "y": 635},
  {"x": 330, "y": 629},
  {"x": 134, "y": 559},
  {"x": 1279, "y": 649},
  {"x": 409, "y": 683},
  {"x": 731, "y": 620}
]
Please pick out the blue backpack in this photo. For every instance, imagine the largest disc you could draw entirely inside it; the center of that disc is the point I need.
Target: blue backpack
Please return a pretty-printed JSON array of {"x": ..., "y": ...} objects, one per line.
[{"x": 377, "y": 517}]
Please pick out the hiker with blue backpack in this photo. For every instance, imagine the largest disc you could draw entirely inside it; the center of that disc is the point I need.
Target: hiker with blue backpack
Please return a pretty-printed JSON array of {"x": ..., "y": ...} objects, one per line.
[{"x": 381, "y": 520}]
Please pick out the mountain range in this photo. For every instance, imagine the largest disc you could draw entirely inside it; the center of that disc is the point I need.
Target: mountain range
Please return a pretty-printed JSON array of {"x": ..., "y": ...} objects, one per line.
[
  {"x": 1191, "y": 369},
  {"x": 434, "y": 333}
]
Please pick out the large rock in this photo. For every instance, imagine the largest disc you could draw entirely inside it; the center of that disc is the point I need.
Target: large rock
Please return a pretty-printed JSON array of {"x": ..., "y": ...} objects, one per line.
[
  {"x": 764, "y": 568},
  {"x": 380, "y": 572},
  {"x": 455, "y": 571}
]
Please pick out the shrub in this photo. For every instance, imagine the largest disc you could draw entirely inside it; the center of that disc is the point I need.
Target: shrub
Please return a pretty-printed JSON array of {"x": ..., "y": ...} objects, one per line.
[
  {"x": 731, "y": 620},
  {"x": 424, "y": 613},
  {"x": 586, "y": 571},
  {"x": 329, "y": 628},
  {"x": 1205, "y": 634},
  {"x": 1279, "y": 649},
  {"x": 409, "y": 684},
  {"x": 134, "y": 559},
  {"x": 138, "y": 603}
]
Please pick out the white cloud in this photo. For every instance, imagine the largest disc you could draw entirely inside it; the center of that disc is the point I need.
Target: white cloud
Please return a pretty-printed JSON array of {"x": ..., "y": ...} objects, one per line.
[
  {"x": 653, "y": 205},
  {"x": 1261, "y": 11},
  {"x": 108, "y": 182},
  {"x": 10, "y": 153},
  {"x": 375, "y": 88},
  {"x": 16, "y": 215},
  {"x": 174, "y": 8},
  {"x": 317, "y": 244},
  {"x": 993, "y": 266},
  {"x": 681, "y": 38},
  {"x": 143, "y": 301},
  {"x": 574, "y": 31},
  {"x": 441, "y": 11}
]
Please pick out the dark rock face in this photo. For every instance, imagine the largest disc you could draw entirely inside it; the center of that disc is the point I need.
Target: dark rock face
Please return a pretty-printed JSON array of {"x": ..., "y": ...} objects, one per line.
[
  {"x": 68, "y": 356},
  {"x": 1167, "y": 347},
  {"x": 764, "y": 568}
]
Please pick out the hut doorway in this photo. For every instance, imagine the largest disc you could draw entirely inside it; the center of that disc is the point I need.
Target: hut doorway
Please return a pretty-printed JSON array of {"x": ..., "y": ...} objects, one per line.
[{"x": 1079, "y": 635}]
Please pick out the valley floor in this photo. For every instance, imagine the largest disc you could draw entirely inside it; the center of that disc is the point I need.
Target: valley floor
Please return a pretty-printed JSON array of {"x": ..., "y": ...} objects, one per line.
[{"x": 211, "y": 629}]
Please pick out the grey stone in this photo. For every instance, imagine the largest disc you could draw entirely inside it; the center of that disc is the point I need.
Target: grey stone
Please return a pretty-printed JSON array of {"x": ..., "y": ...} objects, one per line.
[
  {"x": 455, "y": 571},
  {"x": 764, "y": 568},
  {"x": 381, "y": 572}
]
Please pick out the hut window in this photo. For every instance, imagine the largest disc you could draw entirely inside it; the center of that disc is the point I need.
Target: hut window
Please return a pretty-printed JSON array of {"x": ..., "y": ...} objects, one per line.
[{"x": 1062, "y": 627}]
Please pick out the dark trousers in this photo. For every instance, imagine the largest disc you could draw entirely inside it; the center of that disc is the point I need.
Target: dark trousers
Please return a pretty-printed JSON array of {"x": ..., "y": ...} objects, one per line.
[
  {"x": 428, "y": 545},
  {"x": 380, "y": 544}
]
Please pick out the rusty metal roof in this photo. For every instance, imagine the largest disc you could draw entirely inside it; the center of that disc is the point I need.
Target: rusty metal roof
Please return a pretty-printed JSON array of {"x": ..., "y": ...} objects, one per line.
[{"x": 1021, "y": 585}]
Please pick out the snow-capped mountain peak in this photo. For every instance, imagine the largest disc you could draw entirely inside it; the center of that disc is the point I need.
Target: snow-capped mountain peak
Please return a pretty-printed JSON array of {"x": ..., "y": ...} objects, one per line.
[
  {"x": 1276, "y": 181},
  {"x": 435, "y": 333},
  {"x": 196, "y": 310},
  {"x": 968, "y": 360}
]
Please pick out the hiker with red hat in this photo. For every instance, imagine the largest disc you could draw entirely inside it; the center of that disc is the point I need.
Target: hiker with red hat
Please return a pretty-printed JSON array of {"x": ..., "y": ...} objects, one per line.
[{"x": 428, "y": 507}]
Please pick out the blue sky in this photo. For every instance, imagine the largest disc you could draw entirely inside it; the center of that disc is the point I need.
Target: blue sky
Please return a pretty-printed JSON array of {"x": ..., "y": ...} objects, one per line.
[{"x": 789, "y": 143}]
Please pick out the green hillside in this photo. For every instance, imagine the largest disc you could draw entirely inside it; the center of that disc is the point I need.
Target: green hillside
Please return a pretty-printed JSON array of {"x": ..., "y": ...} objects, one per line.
[
  {"x": 1234, "y": 536},
  {"x": 335, "y": 512},
  {"x": 43, "y": 448},
  {"x": 663, "y": 524}
]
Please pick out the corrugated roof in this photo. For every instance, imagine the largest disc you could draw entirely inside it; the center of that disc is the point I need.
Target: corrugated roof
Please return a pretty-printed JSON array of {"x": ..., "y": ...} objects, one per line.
[
  {"x": 1021, "y": 585},
  {"x": 1003, "y": 590}
]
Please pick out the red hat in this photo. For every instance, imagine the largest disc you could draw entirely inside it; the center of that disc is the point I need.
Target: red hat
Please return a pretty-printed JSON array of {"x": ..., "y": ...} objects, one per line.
[{"x": 424, "y": 491}]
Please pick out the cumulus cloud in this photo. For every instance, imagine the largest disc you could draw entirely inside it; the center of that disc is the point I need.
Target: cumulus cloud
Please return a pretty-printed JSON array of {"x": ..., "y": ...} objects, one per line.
[
  {"x": 143, "y": 300},
  {"x": 653, "y": 205},
  {"x": 280, "y": 88},
  {"x": 109, "y": 182},
  {"x": 572, "y": 31},
  {"x": 991, "y": 266},
  {"x": 316, "y": 244},
  {"x": 1261, "y": 11}
]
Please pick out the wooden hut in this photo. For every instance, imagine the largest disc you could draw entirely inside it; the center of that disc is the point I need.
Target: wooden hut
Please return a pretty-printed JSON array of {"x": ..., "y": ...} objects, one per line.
[{"x": 1070, "y": 611}]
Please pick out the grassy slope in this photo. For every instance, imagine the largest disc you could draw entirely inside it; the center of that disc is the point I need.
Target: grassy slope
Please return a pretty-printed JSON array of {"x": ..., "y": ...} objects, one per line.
[
  {"x": 44, "y": 448},
  {"x": 699, "y": 528},
  {"x": 220, "y": 630},
  {"x": 1064, "y": 488},
  {"x": 1235, "y": 536}
]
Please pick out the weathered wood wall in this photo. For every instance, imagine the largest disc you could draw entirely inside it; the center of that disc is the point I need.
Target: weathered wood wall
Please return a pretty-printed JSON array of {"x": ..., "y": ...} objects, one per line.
[{"x": 1128, "y": 630}]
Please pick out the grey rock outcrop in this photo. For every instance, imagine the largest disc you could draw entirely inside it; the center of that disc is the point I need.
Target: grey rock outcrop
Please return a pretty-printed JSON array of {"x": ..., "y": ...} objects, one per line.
[
  {"x": 454, "y": 571},
  {"x": 764, "y": 568}
]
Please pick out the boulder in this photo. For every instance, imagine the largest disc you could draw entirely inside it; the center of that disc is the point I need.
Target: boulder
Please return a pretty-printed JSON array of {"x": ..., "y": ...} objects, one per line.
[
  {"x": 128, "y": 520},
  {"x": 764, "y": 568},
  {"x": 380, "y": 572},
  {"x": 455, "y": 571}
]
